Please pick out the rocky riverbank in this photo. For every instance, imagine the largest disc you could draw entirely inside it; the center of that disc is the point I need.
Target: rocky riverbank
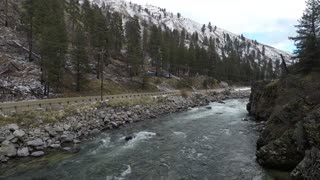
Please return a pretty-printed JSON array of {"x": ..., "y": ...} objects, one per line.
[
  {"x": 290, "y": 140},
  {"x": 23, "y": 140}
]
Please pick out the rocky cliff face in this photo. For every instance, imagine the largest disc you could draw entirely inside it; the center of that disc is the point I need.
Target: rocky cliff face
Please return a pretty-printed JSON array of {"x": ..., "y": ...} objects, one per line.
[{"x": 291, "y": 137}]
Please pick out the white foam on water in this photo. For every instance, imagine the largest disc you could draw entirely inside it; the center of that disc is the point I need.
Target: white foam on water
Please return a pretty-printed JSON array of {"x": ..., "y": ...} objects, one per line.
[
  {"x": 104, "y": 143},
  {"x": 180, "y": 134},
  {"x": 127, "y": 171},
  {"x": 138, "y": 137},
  {"x": 226, "y": 131},
  {"x": 205, "y": 137}
]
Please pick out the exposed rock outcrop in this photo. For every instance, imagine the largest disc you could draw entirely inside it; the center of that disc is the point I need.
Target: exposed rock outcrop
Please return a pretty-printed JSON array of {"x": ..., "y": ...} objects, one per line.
[{"x": 291, "y": 137}]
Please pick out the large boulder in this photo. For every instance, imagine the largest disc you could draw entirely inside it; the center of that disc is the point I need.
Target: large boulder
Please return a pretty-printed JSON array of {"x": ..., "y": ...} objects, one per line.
[
  {"x": 9, "y": 149},
  {"x": 23, "y": 152},
  {"x": 309, "y": 168},
  {"x": 290, "y": 107},
  {"x": 13, "y": 127},
  {"x": 37, "y": 154},
  {"x": 36, "y": 142},
  {"x": 281, "y": 153},
  {"x": 19, "y": 133}
]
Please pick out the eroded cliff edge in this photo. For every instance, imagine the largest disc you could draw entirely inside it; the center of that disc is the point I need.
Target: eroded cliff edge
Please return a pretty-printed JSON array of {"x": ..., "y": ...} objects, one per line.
[{"x": 290, "y": 108}]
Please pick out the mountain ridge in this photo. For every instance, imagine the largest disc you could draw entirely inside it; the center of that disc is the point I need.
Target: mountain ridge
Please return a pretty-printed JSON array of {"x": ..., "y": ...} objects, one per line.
[{"x": 160, "y": 17}]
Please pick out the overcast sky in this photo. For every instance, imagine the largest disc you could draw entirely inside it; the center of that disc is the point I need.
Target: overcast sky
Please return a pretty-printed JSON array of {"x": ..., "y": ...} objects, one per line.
[{"x": 268, "y": 21}]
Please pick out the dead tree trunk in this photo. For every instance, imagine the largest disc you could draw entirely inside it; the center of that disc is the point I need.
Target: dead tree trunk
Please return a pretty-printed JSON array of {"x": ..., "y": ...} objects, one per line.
[{"x": 284, "y": 65}]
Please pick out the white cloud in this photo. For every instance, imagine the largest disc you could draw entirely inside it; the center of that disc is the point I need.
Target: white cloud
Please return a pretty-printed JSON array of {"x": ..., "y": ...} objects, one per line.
[{"x": 238, "y": 16}]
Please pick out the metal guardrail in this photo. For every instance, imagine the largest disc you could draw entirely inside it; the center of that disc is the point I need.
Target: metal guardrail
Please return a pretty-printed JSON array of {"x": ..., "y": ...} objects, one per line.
[{"x": 11, "y": 107}]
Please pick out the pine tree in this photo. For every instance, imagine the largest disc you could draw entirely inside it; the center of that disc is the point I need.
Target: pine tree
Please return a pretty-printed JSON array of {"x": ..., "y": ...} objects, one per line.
[
  {"x": 270, "y": 71},
  {"x": 133, "y": 37},
  {"x": 80, "y": 58},
  {"x": 87, "y": 16},
  {"x": 27, "y": 19},
  {"x": 210, "y": 27},
  {"x": 203, "y": 29},
  {"x": 263, "y": 50},
  {"x": 117, "y": 32},
  {"x": 277, "y": 71},
  {"x": 53, "y": 41},
  {"x": 145, "y": 41},
  {"x": 99, "y": 37},
  {"x": 307, "y": 40},
  {"x": 155, "y": 47},
  {"x": 73, "y": 9},
  {"x": 179, "y": 15}
]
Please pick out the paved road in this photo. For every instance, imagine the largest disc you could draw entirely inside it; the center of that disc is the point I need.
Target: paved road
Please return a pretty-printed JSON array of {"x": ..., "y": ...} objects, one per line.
[{"x": 11, "y": 107}]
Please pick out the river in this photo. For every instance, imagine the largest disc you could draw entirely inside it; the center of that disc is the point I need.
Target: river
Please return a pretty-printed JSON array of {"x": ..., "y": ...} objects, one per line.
[{"x": 203, "y": 143}]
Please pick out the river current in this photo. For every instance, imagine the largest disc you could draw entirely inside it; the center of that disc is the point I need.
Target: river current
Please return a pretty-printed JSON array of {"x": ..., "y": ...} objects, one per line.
[{"x": 207, "y": 143}]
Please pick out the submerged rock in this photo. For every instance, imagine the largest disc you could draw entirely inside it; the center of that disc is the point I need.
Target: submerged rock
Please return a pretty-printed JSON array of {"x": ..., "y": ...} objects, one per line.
[
  {"x": 128, "y": 138},
  {"x": 37, "y": 154}
]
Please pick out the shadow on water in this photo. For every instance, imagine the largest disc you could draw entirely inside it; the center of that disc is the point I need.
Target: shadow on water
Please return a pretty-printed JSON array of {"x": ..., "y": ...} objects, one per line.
[{"x": 203, "y": 143}]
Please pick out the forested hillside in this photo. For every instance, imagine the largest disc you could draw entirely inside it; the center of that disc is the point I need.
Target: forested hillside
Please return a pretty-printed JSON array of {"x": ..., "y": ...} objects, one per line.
[{"x": 74, "y": 43}]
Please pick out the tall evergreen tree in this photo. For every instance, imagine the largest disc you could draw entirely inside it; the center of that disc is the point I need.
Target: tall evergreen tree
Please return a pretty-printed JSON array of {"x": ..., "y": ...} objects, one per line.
[
  {"x": 203, "y": 29},
  {"x": 117, "y": 32},
  {"x": 308, "y": 30},
  {"x": 210, "y": 27},
  {"x": 53, "y": 42},
  {"x": 27, "y": 19},
  {"x": 133, "y": 37},
  {"x": 80, "y": 58}
]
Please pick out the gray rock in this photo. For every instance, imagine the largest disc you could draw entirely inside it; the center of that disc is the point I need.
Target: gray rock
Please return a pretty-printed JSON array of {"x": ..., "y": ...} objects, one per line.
[
  {"x": 68, "y": 149},
  {"x": 2, "y": 139},
  {"x": 66, "y": 127},
  {"x": 10, "y": 137},
  {"x": 37, "y": 131},
  {"x": 76, "y": 141},
  {"x": 59, "y": 128},
  {"x": 67, "y": 137},
  {"x": 51, "y": 131},
  {"x": 2, "y": 158},
  {"x": 55, "y": 146},
  {"x": 39, "y": 148},
  {"x": 14, "y": 140},
  {"x": 71, "y": 149},
  {"x": 23, "y": 152},
  {"x": 37, "y": 154},
  {"x": 13, "y": 127},
  {"x": 36, "y": 142},
  {"x": 9, "y": 150},
  {"x": 19, "y": 133},
  {"x": 308, "y": 168},
  {"x": 114, "y": 125},
  {"x": 95, "y": 132}
]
